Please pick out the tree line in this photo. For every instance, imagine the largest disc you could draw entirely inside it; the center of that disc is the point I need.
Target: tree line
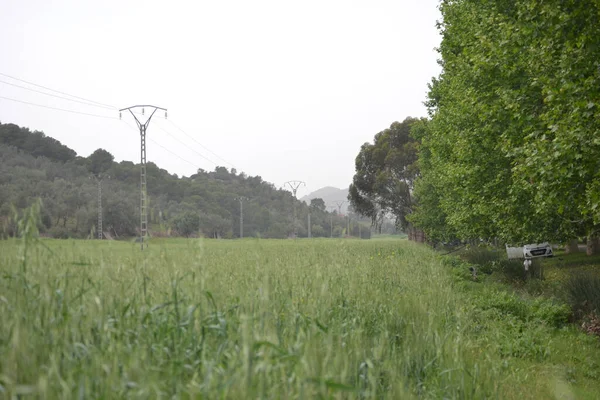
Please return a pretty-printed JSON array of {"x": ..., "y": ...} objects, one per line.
[
  {"x": 510, "y": 148},
  {"x": 34, "y": 166}
]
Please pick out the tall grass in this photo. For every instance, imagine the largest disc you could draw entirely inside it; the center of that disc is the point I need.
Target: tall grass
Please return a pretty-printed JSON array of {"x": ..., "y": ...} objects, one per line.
[
  {"x": 583, "y": 291},
  {"x": 244, "y": 319},
  {"x": 239, "y": 319}
]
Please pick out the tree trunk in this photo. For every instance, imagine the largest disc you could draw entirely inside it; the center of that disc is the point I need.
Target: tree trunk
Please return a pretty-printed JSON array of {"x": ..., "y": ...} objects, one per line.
[
  {"x": 572, "y": 246},
  {"x": 592, "y": 245}
]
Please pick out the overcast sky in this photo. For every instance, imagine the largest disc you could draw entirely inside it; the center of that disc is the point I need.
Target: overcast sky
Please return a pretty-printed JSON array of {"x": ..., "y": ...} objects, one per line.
[{"x": 288, "y": 90}]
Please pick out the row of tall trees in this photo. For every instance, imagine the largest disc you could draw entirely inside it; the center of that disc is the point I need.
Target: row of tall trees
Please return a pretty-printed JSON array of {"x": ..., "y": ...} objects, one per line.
[{"x": 511, "y": 147}]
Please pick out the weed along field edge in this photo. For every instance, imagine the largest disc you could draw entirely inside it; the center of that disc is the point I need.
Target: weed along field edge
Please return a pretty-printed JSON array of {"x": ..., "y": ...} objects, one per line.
[{"x": 275, "y": 319}]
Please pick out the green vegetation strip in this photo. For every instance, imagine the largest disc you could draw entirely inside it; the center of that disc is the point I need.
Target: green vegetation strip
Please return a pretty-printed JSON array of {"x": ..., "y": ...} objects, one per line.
[{"x": 274, "y": 319}]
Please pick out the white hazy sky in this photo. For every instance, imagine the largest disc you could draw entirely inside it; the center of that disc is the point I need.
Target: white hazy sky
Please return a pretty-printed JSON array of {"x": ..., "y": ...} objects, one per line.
[{"x": 288, "y": 90}]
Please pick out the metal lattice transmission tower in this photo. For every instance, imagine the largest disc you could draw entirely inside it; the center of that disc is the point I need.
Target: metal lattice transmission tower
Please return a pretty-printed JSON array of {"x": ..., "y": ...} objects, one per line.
[
  {"x": 294, "y": 185},
  {"x": 99, "y": 183},
  {"x": 143, "y": 184},
  {"x": 339, "y": 204},
  {"x": 241, "y": 200}
]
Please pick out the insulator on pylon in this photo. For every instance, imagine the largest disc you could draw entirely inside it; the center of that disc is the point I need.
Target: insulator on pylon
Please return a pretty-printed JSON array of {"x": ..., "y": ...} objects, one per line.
[
  {"x": 142, "y": 111},
  {"x": 165, "y": 115},
  {"x": 120, "y": 117}
]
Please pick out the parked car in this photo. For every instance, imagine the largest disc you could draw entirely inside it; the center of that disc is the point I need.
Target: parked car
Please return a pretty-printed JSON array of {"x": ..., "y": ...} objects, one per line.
[
  {"x": 530, "y": 251},
  {"x": 537, "y": 250}
]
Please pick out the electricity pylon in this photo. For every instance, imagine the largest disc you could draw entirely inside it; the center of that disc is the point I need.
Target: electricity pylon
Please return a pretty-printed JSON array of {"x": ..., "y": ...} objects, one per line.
[
  {"x": 143, "y": 192},
  {"x": 98, "y": 179},
  {"x": 241, "y": 199},
  {"x": 339, "y": 204},
  {"x": 294, "y": 185}
]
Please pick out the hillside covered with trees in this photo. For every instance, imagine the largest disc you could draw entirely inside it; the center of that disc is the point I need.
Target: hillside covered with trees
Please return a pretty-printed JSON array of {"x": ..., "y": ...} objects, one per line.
[{"x": 35, "y": 166}]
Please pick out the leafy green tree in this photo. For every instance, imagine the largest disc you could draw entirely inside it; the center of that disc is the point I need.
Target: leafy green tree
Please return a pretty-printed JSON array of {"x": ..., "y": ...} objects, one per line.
[
  {"x": 120, "y": 216},
  {"x": 385, "y": 174},
  {"x": 187, "y": 223},
  {"x": 510, "y": 150},
  {"x": 318, "y": 204},
  {"x": 100, "y": 161}
]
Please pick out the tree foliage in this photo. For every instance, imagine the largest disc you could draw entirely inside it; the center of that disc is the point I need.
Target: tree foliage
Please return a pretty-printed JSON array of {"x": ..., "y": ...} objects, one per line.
[
  {"x": 385, "y": 173},
  {"x": 511, "y": 150},
  {"x": 100, "y": 161},
  {"x": 35, "y": 143}
]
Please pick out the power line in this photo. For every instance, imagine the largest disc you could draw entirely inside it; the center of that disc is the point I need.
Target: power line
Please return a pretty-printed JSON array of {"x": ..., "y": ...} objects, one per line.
[
  {"x": 57, "y": 91},
  {"x": 97, "y": 116},
  {"x": 58, "y": 109},
  {"x": 200, "y": 144},
  {"x": 163, "y": 147},
  {"x": 175, "y": 154},
  {"x": 94, "y": 103},
  {"x": 54, "y": 95},
  {"x": 174, "y": 137}
]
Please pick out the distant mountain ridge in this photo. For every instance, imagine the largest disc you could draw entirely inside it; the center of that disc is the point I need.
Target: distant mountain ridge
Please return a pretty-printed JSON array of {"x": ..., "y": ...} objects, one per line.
[{"x": 330, "y": 195}]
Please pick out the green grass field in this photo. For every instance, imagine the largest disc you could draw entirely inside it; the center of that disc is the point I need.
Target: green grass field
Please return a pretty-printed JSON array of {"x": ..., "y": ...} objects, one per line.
[{"x": 274, "y": 319}]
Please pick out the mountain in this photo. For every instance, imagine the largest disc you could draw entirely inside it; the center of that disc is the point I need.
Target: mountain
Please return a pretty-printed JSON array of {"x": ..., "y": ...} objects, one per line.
[{"x": 330, "y": 195}]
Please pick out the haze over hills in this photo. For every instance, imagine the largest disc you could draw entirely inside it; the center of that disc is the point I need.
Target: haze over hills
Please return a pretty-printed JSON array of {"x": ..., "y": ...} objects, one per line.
[{"x": 330, "y": 195}]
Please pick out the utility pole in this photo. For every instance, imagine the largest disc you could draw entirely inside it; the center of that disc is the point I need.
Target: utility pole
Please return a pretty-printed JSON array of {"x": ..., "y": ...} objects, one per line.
[
  {"x": 331, "y": 221},
  {"x": 199, "y": 225},
  {"x": 331, "y": 226},
  {"x": 348, "y": 226},
  {"x": 98, "y": 179},
  {"x": 241, "y": 200},
  {"x": 143, "y": 192},
  {"x": 294, "y": 185}
]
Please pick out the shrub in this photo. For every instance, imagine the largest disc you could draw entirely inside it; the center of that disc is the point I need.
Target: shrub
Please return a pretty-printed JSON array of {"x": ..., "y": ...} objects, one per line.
[
  {"x": 504, "y": 303},
  {"x": 512, "y": 269},
  {"x": 583, "y": 291},
  {"x": 481, "y": 256},
  {"x": 553, "y": 314},
  {"x": 499, "y": 304},
  {"x": 59, "y": 232}
]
